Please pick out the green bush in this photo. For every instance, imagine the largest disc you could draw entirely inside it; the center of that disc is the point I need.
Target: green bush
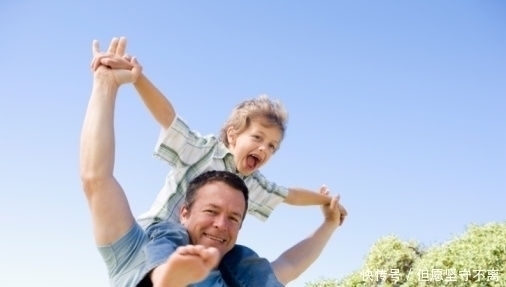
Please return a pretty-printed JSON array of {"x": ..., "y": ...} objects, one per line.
[{"x": 476, "y": 258}]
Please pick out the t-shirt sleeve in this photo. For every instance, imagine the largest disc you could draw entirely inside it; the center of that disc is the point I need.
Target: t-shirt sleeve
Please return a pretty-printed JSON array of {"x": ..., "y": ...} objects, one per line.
[
  {"x": 179, "y": 145},
  {"x": 264, "y": 195}
]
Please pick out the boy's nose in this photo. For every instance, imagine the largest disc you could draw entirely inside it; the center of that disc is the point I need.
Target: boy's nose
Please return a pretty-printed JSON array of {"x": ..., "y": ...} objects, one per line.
[{"x": 263, "y": 147}]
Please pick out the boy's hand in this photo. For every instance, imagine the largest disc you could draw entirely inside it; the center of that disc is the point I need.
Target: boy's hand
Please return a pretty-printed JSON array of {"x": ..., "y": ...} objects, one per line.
[{"x": 324, "y": 190}]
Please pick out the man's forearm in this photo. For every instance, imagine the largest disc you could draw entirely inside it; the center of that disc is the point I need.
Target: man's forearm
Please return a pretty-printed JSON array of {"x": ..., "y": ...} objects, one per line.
[
  {"x": 158, "y": 105},
  {"x": 97, "y": 136},
  {"x": 294, "y": 261}
]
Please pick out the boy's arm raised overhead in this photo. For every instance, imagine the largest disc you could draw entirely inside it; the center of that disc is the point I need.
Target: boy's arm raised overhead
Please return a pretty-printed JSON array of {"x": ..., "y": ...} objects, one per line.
[{"x": 159, "y": 106}]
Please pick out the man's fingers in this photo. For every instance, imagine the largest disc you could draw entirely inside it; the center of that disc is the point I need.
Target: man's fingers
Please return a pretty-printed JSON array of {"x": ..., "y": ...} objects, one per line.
[
  {"x": 96, "y": 62},
  {"x": 121, "y": 46},
  {"x": 333, "y": 202},
  {"x": 95, "y": 47},
  {"x": 343, "y": 210},
  {"x": 113, "y": 45}
]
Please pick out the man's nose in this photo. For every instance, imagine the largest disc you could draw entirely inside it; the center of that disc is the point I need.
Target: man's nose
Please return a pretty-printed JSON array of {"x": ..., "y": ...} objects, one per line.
[{"x": 220, "y": 222}]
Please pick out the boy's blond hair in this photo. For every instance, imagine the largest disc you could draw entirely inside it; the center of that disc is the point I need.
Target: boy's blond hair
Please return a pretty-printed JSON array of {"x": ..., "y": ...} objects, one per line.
[{"x": 260, "y": 107}]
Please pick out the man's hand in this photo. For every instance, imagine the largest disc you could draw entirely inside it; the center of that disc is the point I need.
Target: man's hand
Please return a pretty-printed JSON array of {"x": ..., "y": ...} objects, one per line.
[
  {"x": 334, "y": 212},
  {"x": 114, "y": 65}
]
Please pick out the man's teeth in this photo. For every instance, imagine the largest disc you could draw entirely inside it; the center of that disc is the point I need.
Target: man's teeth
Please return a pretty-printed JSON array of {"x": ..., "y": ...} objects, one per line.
[{"x": 215, "y": 238}]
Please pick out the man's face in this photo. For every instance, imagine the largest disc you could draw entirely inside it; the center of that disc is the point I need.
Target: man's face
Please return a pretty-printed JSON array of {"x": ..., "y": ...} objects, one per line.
[
  {"x": 215, "y": 217},
  {"x": 254, "y": 147}
]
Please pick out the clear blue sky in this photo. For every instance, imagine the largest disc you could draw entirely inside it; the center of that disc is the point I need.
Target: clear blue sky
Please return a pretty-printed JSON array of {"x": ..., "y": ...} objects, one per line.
[{"x": 399, "y": 106}]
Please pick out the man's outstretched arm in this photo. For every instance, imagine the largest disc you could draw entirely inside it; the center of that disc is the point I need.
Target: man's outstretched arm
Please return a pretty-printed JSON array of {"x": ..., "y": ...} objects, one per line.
[{"x": 294, "y": 261}]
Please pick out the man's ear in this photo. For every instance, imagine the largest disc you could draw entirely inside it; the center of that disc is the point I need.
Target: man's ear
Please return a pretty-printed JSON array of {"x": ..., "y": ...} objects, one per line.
[
  {"x": 183, "y": 214},
  {"x": 231, "y": 136}
]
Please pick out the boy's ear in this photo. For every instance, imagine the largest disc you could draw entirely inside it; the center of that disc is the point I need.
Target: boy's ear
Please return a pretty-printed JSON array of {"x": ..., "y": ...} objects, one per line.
[{"x": 231, "y": 136}]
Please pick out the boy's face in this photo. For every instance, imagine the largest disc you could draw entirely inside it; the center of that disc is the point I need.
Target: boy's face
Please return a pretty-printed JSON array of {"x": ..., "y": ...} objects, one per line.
[
  {"x": 253, "y": 147},
  {"x": 215, "y": 217}
]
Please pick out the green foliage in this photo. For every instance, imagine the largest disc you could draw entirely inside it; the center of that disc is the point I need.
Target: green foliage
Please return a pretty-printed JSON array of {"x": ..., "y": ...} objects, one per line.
[
  {"x": 389, "y": 261},
  {"x": 477, "y": 258}
]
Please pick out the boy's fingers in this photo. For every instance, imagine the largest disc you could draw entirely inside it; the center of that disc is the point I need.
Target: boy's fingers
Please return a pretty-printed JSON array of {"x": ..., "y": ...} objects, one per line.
[
  {"x": 136, "y": 68},
  {"x": 324, "y": 190},
  {"x": 116, "y": 63}
]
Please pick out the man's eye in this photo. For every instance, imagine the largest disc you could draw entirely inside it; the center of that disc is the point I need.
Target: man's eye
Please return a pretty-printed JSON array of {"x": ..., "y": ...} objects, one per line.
[{"x": 235, "y": 219}]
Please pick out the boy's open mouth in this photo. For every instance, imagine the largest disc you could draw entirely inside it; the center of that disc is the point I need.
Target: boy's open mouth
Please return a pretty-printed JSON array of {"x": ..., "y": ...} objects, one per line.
[{"x": 252, "y": 161}]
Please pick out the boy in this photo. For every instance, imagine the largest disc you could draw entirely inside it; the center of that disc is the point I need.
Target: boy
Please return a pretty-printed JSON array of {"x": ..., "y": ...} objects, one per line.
[{"x": 248, "y": 139}]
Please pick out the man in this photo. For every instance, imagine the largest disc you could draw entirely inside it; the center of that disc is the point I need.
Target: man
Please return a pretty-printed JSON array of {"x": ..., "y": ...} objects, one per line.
[{"x": 167, "y": 254}]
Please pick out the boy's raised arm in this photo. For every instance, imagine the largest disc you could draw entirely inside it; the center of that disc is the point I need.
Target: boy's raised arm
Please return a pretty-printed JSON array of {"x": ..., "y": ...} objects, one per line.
[{"x": 158, "y": 105}]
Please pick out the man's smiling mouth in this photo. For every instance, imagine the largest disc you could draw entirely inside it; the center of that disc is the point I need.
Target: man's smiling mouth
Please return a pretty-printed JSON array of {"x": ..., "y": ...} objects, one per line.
[{"x": 214, "y": 238}]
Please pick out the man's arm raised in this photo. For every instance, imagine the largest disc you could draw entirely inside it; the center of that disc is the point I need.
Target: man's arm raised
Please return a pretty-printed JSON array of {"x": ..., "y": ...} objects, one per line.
[{"x": 111, "y": 215}]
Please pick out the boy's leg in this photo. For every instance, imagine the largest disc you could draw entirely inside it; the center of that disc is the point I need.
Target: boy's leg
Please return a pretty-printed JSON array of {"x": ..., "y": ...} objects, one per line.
[
  {"x": 169, "y": 252},
  {"x": 164, "y": 238},
  {"x": 188, "y": 264},
  {"x": 241, "y": 266}
]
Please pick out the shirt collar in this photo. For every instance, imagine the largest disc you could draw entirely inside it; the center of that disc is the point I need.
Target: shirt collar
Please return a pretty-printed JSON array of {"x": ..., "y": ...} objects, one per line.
[{"x": 222, "y": 152}]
